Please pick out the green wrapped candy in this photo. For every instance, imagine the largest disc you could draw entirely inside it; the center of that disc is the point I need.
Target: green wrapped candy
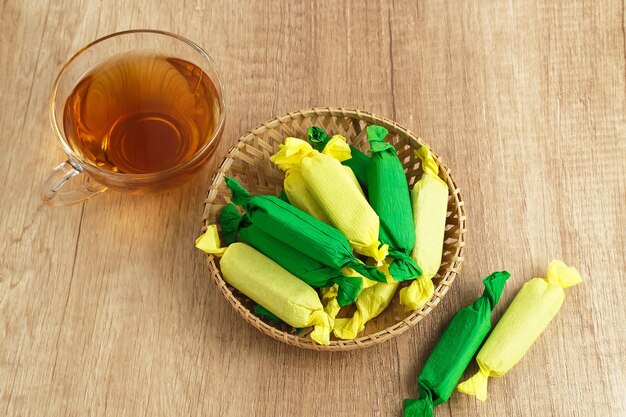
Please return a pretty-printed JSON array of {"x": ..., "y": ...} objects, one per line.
[
  {"x": 454, "y": 351},
  {"x": 358, "y": 163},
  {"x": 300, "y": 231},
  {"x": 390, "y": 199},
  {"x": 309, "y": 270}
]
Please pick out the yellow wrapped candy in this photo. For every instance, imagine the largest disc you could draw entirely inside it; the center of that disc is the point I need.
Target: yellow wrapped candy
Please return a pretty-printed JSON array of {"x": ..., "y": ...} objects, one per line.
[
  {"x": 372, "y": 301},
  {"x": 338, "y": 148},
  {"x": 429, "y": 199},
  {"x": 335, "y": 191},
  {"x": 271, "y": 286},
  {"x": 300, "y": 196},
  {"x": 296, "y": 188},
  {"x": 528, "y": 315},
  {"x": 353, "y": 178}
]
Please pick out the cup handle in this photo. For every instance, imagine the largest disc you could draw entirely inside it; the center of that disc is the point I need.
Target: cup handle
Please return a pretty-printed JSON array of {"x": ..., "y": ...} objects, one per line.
[{"x": 61, "y": 174}]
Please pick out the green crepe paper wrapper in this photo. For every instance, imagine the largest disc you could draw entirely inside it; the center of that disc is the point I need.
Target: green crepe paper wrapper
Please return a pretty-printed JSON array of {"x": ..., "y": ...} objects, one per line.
[
  {"x": 309, "y": 270},
  {"x": 358, "y": 163},
  {"x": 283, "y": 196},
  {"x": 300, "y": 230},
  {"x": 389, "y": 197},
  {"x": 454, "y": 351}
]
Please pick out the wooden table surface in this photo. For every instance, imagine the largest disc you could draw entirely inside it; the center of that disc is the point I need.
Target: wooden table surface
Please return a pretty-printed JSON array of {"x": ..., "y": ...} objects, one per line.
[{"x": 106, "y": 308}]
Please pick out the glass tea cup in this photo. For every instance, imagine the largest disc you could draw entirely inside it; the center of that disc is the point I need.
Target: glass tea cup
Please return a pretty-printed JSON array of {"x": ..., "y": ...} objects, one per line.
[{"x": 136, "y": 111}]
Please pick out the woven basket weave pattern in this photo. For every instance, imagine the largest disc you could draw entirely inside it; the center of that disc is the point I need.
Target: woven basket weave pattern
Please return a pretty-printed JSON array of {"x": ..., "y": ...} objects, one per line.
[{"x": 249, "y": 162}]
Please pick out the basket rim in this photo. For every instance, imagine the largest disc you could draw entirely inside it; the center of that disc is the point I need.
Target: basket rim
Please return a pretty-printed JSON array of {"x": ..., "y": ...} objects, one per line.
[{"x": 446, "y": 280}]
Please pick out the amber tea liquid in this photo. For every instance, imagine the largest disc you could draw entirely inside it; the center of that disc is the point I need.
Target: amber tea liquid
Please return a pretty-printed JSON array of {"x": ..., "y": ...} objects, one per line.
[{"x": 141, "y": 113}]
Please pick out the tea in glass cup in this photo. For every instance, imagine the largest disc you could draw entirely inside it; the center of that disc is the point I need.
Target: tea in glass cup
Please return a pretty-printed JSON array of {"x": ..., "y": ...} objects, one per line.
[{"x": 136, "y": 111}]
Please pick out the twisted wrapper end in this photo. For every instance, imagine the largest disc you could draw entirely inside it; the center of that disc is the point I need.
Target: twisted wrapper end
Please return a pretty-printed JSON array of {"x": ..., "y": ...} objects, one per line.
[
  {"x": 563, "y": 275},
  {"x": 376, "y": 137},
  {"x": 291, "y": 153},
  {"x": 476, "y": 385},
  {"x": 321, "y": 327},
  {"x": 318, "y": 137},
  {"x": 209, "y": 242},
  {"x": 338, "y": 148},
  {"x": 416, "y": 295},
  {"x": 240, "y": 196},
  {"x": 230, "y": 220},
  {"x": 421, "y": 407},
  {"x": 429, "y": 166}
]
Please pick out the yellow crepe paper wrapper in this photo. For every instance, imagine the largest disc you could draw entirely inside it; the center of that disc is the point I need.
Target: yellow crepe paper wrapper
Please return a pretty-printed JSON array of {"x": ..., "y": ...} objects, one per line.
[
  {"x": 429, "y": 199},
  {"x": 335, "y": 190},
  {"x": 329, "y": 301},
  {"x": 273, "y": 287},
  {"x": 534, "y": 306},
  {"x": 338, "y": 148},
  {"x": 353, "y": 178},
  {"x": 372, "y": 301},
  {"x": 300, "y": 196},
  {"x": 209, "y": 242},
  {"x": 296, "y": 188}
]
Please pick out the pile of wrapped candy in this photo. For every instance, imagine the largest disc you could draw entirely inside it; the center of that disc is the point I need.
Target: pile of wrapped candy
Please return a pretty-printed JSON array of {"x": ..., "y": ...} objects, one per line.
[{"x": 347, "y": 230}]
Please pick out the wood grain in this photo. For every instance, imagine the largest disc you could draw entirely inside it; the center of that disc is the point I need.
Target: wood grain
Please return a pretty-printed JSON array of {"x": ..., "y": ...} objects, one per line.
[{"x": 106, "y": 308}]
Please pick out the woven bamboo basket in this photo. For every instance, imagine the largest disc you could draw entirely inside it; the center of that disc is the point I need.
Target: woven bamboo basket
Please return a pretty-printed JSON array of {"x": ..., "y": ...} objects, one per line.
[{"x": 249, "y": 162}]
